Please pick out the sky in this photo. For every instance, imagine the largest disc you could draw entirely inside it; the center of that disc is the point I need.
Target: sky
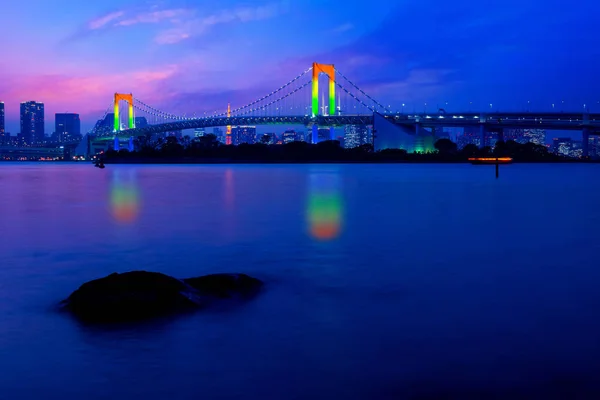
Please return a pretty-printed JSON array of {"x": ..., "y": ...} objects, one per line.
[{"x": 193, "y": 56}]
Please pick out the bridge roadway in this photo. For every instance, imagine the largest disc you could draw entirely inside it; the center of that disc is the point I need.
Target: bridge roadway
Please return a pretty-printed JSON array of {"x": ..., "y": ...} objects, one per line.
[{"x": 488, "y": 121}]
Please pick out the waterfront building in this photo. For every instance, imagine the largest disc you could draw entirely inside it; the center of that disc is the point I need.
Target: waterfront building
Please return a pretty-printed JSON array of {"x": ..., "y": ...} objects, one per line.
[
  {"x": 67, "y": 127},
  {"x": 356, "y": 135},
  {"x": 2, "y": 121},
  {"x": 243, "y": 134},
  {"x": 537, "y": 136},
  {"x": 562, "y": 146},
  {"x": 32, "y": 122}
]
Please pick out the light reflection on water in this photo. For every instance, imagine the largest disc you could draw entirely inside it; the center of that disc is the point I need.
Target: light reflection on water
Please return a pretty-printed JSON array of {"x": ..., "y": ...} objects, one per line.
[
  {"x": 325, "y": 205},
  {"x": 124, "y": 196}
]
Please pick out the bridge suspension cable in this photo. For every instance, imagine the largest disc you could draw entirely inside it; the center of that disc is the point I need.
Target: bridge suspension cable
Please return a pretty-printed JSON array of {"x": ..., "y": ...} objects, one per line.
[
  {"x": 268, "y": 95},
  {"x": 156, "y": 112},
  {"x": 360, "y": 90},
  {"x": 277, "y": 100}
]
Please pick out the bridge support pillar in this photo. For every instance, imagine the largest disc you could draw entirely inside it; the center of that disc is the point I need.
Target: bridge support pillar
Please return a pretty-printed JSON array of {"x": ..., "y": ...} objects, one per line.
[
  {"x": 315, "y": 134},
  {"x": 482, "y": 135},
  {"x": 331, "y": 133},
  {"x": 418, "y": 129},
  {"x": 585, "y": 143}
]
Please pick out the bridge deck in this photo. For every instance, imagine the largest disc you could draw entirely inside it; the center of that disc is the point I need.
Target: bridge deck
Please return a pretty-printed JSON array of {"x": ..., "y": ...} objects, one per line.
[{"x": 511, "y": 120}]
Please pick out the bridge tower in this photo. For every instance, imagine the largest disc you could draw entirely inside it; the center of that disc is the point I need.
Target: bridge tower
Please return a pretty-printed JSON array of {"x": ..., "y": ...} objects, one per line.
[
  {"x": 228, "y": 131},
  {"x": 129, "y": 99},
  {"x": 329, "y": 70}
]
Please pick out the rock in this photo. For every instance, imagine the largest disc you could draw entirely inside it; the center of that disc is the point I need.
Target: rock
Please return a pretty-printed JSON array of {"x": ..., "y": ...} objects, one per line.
[{"x": 137, "y": 295}]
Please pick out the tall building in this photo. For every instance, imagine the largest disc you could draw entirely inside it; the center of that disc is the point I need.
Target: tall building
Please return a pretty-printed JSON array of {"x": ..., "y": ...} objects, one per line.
[
  {"x": 292, "y": 136},
  {"x": 537, "y": 136},
  {"x": 356, "y": 135},
  {"x": 218, "y": 132},
  {"x": 2, "y": 122},
  {"x": 67, "y": 127},
  {"x": 199, "y": 132},
  {"x": 562, "y": 146},
  {"x": 593, "y": 149},
  {"x": 470, "y": 136},
  {"x": 32, "y": 122},
  {"x": 243, "y": 134}
]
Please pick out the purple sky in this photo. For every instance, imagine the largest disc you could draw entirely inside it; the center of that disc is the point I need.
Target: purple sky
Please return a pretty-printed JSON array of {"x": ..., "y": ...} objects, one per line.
[{"x": 195, "y": 56}]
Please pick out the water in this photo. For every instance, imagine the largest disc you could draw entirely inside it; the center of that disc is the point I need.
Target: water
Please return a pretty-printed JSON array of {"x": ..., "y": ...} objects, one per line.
[{"x": 383, "y": 281}]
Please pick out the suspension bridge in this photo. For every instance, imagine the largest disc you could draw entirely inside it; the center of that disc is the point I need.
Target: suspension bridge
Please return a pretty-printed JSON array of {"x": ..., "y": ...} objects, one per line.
[{"x": 302, "y": 102}]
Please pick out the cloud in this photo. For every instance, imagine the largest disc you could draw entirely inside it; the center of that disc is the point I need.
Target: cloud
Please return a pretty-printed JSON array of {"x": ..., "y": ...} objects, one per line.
[
  {"x": 179, "y": 24},
  {"x": 154, "y": 17},
  {"x": 104, "y": 20},
  {"x": 197, "y": 26},
  {"x": 82, "y": 94}
]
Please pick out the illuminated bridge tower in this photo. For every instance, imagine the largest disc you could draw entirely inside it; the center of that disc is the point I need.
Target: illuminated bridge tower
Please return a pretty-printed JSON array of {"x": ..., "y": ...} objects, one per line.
[
  {"x": 329, "y": 70},
  {"x": 228, "y": 140},
  {"x": 129, "y": 99}
]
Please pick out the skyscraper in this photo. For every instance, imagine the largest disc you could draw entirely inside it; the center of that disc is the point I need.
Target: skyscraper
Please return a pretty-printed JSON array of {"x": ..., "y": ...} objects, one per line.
[
  {"x": 218, "y": 132},
  {"x": 243, "y": 134},
  {"x": 470, "y": 136},
  {"x": 537, "y": 136},
  {"x": 199, "y": 132},
  {"x": 2, "y": 125},
  {"x": 562, "y": 146},
  {"x": 32, "y": 122},
  {"x": 67, "y": 127},
  {"x": 356, "y": 135}
]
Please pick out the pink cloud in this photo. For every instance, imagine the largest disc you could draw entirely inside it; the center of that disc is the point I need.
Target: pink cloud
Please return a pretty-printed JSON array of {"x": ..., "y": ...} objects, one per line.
[
  {"x": 154, "y": 17},
  {"x": 197, "y": 26},
  {"x": 105, "y": 20},
  {"x": 86, "y": 95}
]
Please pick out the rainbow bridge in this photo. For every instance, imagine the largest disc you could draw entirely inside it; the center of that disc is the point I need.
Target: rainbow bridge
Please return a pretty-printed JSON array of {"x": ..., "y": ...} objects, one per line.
[{"x": 301, "y": 102}]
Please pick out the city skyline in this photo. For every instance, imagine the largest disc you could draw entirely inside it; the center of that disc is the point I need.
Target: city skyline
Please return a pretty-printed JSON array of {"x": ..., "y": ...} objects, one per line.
[{"x": 179, "y": 56}]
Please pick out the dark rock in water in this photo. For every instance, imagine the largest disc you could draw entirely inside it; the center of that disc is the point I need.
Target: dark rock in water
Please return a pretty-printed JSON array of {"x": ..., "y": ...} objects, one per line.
[
  {"x": 139, "y": 295},
  {"x": 226, "y": 285}
]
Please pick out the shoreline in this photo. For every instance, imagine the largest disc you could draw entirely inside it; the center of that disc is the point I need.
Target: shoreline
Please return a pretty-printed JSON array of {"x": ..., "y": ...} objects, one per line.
[{"x": 209, "y": 161}]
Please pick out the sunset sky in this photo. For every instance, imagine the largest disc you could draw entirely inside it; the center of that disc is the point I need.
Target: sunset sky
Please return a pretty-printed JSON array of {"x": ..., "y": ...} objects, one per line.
[{"x": 194, "y": 56}]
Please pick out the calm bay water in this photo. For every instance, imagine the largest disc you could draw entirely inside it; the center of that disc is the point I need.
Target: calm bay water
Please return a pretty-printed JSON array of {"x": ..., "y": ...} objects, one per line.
[{"x": 383, "y": 281}]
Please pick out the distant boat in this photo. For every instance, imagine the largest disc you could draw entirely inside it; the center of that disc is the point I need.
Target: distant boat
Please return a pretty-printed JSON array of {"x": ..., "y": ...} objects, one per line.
[{"x": 490, "y": 160}]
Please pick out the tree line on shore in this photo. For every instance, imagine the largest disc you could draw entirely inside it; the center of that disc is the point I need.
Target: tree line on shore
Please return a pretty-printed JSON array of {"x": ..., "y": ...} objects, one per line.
[{"x": 209, "y": 148}]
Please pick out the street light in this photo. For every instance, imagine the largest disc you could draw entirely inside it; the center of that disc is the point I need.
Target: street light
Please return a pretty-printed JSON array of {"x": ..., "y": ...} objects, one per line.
[{"x": 403, "y": 108}]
